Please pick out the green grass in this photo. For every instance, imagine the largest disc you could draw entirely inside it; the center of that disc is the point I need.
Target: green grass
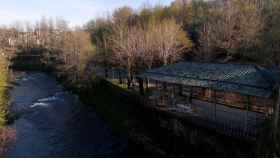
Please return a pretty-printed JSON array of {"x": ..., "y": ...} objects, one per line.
[
  {"x": 3, "y": 91},
  {"x": 7, "y": 135},
  {"x": 116, "y": 83},
  {"x": 114, "y": 103}
]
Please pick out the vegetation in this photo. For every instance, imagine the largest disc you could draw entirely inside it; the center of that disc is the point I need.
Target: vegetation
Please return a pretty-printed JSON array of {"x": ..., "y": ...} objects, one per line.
[
  {"x": 3, "y": 91},
  {"x": 137, "y": 48},
  {"x": 230, "y": 29},
  {"x": 61, "y": 48},
  {"x": 235, "y": 30},
  {"x": 6, "y": 134},
  {"x": 153, "y": 36},
  {"x": 105, "y": 96}
]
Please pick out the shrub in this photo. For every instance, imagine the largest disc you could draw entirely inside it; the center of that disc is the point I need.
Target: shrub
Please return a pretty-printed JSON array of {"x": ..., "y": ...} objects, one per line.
[{"x": 6, "y": 134}]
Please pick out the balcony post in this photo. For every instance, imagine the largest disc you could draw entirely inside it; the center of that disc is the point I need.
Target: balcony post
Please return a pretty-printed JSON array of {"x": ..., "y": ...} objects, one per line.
[{"x": 141, "y": 86}]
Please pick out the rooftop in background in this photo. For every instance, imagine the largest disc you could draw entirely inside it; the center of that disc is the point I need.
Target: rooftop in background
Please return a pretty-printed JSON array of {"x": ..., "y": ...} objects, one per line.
[{"x": 244, "y": 79}]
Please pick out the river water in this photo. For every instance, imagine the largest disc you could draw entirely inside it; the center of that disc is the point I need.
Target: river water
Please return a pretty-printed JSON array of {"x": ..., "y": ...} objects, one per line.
[{"x": 53, "y": 123}]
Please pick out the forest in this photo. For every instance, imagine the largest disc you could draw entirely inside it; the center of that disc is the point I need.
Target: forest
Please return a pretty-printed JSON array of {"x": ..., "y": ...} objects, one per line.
[{"x": 136, "y": 40}]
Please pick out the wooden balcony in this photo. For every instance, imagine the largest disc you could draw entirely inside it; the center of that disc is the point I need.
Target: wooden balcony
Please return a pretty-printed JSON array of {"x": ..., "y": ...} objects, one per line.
[{"x": 223, "y": 119}]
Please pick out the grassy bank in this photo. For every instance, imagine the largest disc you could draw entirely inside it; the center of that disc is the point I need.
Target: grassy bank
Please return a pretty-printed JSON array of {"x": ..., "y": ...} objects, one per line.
[
  {"x": 6, "y": 134},
  {"x": 113, "y": 103},
  {"x": 4, "y": 83},
  {"x": 121, "y": 109}
]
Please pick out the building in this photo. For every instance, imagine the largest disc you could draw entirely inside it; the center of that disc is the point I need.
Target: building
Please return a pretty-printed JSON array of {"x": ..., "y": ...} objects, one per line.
[{"x": 231, "y": 98}]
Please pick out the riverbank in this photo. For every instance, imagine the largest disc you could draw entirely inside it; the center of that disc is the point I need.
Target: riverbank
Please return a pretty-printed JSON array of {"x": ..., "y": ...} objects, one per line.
[
  {"x": 111, "y": 102},
  {"x": 6, "y": 134}
]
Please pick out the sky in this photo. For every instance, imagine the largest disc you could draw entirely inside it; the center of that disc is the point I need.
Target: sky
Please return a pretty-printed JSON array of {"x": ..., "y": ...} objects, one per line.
[{"x": 76, "y": 12}]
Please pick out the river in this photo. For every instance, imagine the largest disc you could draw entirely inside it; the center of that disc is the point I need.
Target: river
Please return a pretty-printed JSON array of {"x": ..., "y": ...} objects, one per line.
[{"x": 53, "y": 123}]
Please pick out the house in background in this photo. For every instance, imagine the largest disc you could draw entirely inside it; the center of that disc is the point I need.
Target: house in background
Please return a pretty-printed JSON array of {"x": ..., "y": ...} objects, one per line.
[{"x": 231, "y": 98}]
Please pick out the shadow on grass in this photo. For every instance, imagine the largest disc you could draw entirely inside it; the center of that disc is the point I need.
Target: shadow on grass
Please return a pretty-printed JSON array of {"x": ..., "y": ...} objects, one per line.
[{"x": 113, "y": 103}]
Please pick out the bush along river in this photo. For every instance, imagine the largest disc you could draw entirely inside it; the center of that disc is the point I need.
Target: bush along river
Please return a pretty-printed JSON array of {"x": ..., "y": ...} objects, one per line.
[{"x": 53, "y": 123}]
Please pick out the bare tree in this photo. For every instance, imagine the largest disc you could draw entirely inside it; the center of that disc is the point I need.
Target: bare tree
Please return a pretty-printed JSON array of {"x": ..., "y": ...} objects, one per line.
[
  {"x": 125, "y": 47},
  {"x": 122, "y": 14},
  {"x": 136, "y": 47},
  {"x": 171, "y": 41},
  {"x": 233, "y": 27}
]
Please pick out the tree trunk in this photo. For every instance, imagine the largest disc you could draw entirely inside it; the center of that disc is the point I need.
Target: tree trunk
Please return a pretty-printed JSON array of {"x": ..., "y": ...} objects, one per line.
[
  {"x": 129, "y": 80},
  {"x": 120, "y": 78},
  {"x": 276, "y": 116},
  {"x": 106, "y": 72},
  {"x": 141, "y": 86}
]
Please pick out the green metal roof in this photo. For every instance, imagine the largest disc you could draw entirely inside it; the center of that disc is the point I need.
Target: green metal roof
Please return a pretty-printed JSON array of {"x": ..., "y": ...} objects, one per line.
[{"x": 245, "y": 79}]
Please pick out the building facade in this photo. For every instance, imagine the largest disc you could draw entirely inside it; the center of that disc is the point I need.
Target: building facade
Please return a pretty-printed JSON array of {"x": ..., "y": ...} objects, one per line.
[{"x": 233, "y": 98}]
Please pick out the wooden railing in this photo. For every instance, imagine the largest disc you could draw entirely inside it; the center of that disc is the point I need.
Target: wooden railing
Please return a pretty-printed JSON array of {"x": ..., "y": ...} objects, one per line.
[{"x": 223, "y": 119}]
